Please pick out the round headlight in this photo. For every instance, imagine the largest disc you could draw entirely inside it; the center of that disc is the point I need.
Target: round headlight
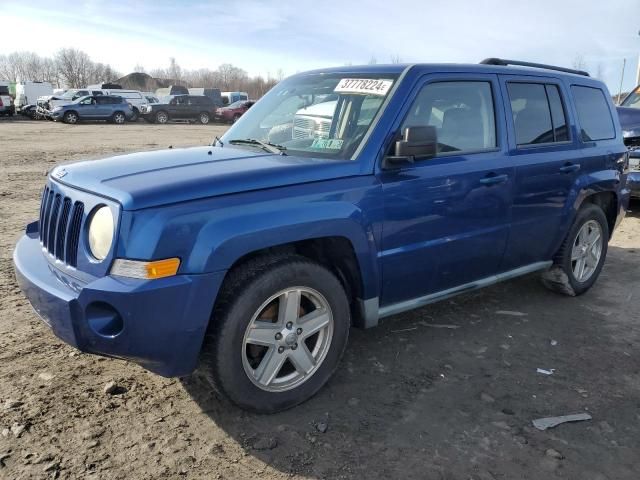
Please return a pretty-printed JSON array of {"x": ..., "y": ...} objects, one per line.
[{"x": 101, "y": 232}]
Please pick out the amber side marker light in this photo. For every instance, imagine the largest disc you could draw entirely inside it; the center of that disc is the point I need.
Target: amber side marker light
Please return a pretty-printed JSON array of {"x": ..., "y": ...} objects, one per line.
[{"x": 145, "y": 270}]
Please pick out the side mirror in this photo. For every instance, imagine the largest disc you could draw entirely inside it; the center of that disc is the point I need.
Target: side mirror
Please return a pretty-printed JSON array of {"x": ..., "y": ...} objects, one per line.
[{"x": 417, "y": 143}]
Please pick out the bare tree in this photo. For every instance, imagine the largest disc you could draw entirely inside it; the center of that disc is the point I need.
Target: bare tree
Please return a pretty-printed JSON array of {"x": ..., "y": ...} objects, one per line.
[
  {"x": 599, "y": 71},
  {"x": 578, "y": 62},
  {"x": 75, "y": 67},
  {"x": 395, "y": 58},
  {"x": 139, "y": 68},
  {"x": 373, "y": 60},
  {"x": 174, "y": 71},
  {"x": 231, "y": 76}
]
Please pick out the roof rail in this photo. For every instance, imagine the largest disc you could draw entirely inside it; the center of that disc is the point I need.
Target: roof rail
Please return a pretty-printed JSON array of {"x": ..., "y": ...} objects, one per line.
[{"x": 502, "y": 61}]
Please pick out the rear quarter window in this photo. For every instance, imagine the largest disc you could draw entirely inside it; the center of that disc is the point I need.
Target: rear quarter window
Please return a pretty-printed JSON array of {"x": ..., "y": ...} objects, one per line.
[{"x": 593, "y": 113}]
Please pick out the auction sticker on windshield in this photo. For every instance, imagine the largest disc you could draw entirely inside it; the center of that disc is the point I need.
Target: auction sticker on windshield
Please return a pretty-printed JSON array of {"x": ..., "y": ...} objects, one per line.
[{"x": 368, "y": 86}]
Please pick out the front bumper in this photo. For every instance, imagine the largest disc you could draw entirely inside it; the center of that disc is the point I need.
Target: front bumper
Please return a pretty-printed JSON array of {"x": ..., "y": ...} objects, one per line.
[{"x": 158, "y": 324}]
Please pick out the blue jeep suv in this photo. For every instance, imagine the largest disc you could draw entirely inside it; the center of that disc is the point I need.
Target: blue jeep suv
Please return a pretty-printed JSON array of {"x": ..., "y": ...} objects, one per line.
[{"x": 342, "y": 197}]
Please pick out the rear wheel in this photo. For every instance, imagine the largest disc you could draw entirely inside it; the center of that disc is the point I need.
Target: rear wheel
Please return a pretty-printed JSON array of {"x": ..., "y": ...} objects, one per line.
[
  {"x": 236, "y": 117},
  {"x": 204, "y": 118},
  {"x": 70, "y": 117},
  {"x": 162, "y": 117},
  {"x": 279, "y": 332},
  {"x": 582, "y": 255}
]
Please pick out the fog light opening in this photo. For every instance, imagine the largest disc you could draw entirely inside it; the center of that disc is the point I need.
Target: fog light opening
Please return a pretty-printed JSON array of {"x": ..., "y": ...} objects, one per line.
[{"x": 103, "y": 319}]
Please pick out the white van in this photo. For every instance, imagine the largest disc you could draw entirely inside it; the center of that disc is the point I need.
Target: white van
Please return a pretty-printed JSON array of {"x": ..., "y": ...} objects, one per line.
[{"x": 27, "y": 93}]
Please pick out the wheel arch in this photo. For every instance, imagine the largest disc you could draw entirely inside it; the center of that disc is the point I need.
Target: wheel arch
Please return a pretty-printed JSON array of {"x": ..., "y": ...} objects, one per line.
[{"x": 335, "y": 253}]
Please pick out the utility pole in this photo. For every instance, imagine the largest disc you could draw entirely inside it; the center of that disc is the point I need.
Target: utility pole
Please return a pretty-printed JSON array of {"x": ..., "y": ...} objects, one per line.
[{"x": 624, "y": 63}]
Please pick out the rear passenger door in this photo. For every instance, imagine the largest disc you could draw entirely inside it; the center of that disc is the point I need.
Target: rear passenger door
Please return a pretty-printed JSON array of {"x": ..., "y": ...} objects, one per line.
[
  {"x": 103, "y": 106},
  {"x": 546, "y": 155},
  {"x": 446, "y": 219}
]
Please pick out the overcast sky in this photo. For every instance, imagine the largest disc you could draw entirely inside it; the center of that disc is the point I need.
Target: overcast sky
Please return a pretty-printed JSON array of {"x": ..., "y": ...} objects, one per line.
[{"x": 264, "y": 36}]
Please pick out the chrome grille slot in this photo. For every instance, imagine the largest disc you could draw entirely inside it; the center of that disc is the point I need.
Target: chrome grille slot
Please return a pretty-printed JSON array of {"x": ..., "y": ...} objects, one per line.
[
  {"x": 60, "y": 226},
  {"x": 73, "y": 235},
  {"x": 53, "y": 223},
  {"x": 62, "y": 229},
  {"x": 44, "y": 226}
]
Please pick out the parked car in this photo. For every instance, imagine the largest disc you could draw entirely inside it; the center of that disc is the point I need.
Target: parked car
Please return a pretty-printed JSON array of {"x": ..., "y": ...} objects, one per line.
[
  {"x": 231, "y": 113},
  {"x": 180, "y": 107},
  {"x": 133, "y": 97},
  {"x": 151, "y": 98},
  {"x": 251, "y": 260},
  {"x": 232, "y": 97},
  {"x": 94, "y": 107},
  {"x": 27, "y": 93},
  {"x": 6, "y": 102},
  {"x": 629, "y": 115}
]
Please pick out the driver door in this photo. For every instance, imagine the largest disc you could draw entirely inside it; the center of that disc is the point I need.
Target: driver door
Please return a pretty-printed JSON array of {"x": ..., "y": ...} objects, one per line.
[
  {"x": 87, "y": 108},
  {"x": 447, "y": 218}
]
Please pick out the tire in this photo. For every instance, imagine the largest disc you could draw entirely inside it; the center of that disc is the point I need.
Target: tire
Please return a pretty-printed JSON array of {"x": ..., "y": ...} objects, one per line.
[
  {"x": 204, "y": 118},
  {"x": 232, "y": 363},
  {"x": 162, "y": 117},
  {"x": 136, "y": 115},
  {"x": 582, "y": 254},
  {"x": 71, "y": 118},
  {"x": 119, "y": 118},
  {"x": 236, "y": 117}
]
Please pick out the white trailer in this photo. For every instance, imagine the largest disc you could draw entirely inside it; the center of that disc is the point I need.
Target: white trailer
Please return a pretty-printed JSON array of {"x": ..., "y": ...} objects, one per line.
[{"x": 27, "y": 93}]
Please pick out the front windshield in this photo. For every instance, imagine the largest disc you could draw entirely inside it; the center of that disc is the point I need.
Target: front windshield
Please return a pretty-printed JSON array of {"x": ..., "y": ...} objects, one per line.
[
  {"x": 237, "y": 104},
  {"x": 68, "y": 95},
  {"x": 318, "y": 115},
  {"x": 633, "y": 100}
]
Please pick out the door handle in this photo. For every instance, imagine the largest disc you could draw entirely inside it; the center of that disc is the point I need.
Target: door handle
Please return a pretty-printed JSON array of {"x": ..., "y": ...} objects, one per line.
[
  {"x": 570, "y": 167},
  {"x": 493, "y": 179}
]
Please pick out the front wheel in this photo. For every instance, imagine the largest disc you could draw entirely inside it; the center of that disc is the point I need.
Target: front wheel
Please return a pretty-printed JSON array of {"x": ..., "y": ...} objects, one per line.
[
  {"x": 162, "y": 118},
  {"x": 119, "y": 118},
  {"x": 278, "y": 333},
  {"x": 70, "y": 117},
  {"x": 582, "y": 255},
  {"x": 135, "y": 116}
]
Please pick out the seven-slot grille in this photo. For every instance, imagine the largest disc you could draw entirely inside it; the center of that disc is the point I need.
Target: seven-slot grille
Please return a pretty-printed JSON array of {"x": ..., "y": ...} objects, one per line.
[
  {"x": 60, "y": 222},
  {"x": 304, "y": 127}
]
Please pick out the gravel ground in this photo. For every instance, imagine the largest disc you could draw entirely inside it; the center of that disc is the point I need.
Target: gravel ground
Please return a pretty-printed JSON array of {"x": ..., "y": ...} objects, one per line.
[{"x": 445, "y": 392}]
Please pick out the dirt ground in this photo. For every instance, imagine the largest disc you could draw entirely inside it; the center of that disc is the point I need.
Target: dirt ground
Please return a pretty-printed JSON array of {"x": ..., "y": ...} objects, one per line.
[{"x": 445, "y": 392}]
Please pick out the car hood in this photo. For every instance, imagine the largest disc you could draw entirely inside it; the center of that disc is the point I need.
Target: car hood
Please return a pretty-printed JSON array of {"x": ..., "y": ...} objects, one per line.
[
  {"x": 149, "y": 179},
  {"x": 629, "y": 121}
]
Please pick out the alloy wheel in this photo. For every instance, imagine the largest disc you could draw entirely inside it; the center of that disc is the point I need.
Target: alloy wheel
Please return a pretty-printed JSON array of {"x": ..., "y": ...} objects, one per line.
[
  {"x": 586, "y": 251},
  {"x": 287, "y": 339}
]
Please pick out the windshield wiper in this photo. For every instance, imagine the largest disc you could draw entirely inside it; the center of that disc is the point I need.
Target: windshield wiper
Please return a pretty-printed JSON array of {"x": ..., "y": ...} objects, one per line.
[{"x": 267, "y": 146}]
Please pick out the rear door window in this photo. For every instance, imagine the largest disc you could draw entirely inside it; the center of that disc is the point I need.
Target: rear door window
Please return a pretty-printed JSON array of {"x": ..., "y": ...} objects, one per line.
[
  {"x": 593, "y": 113},
  {"x": 538, "y": 113},
  {"x": 558, "y": 118}
]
